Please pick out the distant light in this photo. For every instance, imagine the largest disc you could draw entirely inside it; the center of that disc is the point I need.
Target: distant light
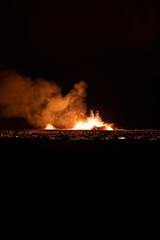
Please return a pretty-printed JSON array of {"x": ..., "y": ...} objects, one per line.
[{"x": 121, "y": 138}]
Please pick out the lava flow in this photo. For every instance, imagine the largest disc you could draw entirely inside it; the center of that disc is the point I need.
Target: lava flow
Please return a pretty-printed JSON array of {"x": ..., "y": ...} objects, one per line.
[{"x": 94, "y": 122}]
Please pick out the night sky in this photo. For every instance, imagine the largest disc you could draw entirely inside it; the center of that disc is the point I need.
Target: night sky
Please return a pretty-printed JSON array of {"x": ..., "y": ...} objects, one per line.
[{"x": 113, "y": 46}]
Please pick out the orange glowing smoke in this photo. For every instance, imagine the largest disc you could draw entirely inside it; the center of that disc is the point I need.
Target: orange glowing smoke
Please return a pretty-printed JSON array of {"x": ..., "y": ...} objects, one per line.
[{"x": 94, "y": 122}]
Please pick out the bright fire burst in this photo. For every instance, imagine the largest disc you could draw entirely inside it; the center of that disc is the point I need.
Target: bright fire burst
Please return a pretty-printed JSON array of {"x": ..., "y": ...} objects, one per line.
[
  {"x": 94, "y": 122},
  {"x": 49, "y": 127}
]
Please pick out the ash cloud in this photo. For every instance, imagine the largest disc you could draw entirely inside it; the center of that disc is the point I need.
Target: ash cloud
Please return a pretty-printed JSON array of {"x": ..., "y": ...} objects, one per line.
[{"x": 40, "y": 102}]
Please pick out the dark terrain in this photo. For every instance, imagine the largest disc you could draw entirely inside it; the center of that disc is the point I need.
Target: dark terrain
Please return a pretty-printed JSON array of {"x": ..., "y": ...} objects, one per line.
[{"x": 121, "y": 173}]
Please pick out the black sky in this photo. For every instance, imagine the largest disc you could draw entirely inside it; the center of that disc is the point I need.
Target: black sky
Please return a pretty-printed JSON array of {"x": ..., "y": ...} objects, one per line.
[{"x": 113, "y": 46}]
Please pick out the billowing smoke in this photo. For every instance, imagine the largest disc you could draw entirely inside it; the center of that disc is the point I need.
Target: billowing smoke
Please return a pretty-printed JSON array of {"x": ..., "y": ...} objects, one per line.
[{"x": 39, "y": 101}]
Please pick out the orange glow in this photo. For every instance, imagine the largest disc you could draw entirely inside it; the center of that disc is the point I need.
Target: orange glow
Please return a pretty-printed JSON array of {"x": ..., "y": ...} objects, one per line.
[
  {"x": 94, "y": 122},
  {"x": 49, "y": 127}
]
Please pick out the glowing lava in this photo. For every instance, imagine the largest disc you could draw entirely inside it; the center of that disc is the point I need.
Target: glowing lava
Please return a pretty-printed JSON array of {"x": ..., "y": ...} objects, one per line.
[
  {"x": 49, "y": 127},
  {"x": 93, "y": 122}
]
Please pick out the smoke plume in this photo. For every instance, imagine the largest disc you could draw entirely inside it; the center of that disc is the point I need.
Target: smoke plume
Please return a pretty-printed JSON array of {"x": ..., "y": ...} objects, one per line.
[{"x": 39, "y": 101}]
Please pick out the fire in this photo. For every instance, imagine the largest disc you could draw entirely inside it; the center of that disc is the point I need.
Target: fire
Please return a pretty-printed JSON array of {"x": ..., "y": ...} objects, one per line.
[
  {"x": 49, "y": 127},
  {"x": 93, "y": 122}
]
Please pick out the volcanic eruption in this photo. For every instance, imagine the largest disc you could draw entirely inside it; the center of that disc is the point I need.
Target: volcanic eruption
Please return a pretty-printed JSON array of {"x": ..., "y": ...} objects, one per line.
[
  {"x": 43, "y": 105},
  {"x": 92, "y": 122}
]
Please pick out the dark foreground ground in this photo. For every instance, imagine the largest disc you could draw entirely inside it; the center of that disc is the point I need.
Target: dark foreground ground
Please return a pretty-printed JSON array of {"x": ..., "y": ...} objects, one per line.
[{"x": 104, "y": 176}]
